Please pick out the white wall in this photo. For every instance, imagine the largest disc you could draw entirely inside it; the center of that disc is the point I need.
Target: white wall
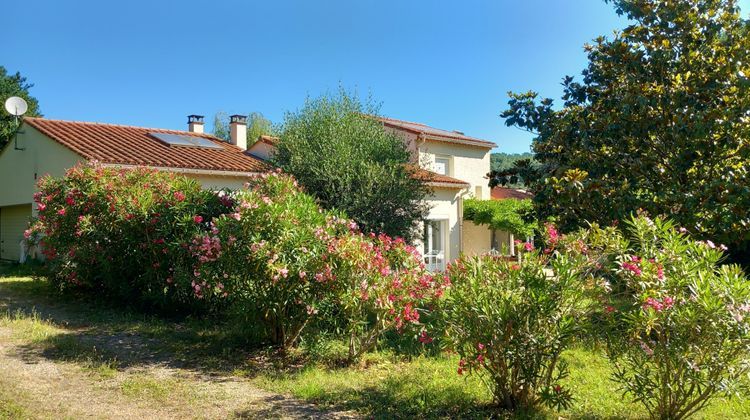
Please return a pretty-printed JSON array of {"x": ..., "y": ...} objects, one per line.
[
  {"x": 20, "y": 169},
  {"x": 468, "y": 163},
  {"x": 261, "y": 150},
  {"x": 216, "y": 183},
  {"x": 444, "y": 205},
  {"x": 477, "y": 239}
]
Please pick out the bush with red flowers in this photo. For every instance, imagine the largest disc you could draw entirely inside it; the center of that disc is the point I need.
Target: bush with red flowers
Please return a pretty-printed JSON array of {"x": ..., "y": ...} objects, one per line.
[{"x": 121, "y": 233}]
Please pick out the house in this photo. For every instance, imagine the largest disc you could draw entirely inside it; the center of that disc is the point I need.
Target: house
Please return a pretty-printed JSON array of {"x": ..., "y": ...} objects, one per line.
[
  {"x": 51, "y": 147},
  {"x": 455, "y": 166}
]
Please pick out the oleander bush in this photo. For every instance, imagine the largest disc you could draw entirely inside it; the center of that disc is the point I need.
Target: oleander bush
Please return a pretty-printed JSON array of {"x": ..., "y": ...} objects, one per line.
[
  {"x": 267, "y": 254},
  {"x": 386, "y": 288},
  {"x": 511, "y": 321},
  {"x": 678, "y": 328},
  {"x": 279, "y": 260},
  {"x": 120, "y": 233}
]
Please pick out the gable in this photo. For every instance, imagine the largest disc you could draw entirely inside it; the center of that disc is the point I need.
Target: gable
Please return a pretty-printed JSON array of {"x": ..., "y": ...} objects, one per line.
[{"x": 20, "y": 169}]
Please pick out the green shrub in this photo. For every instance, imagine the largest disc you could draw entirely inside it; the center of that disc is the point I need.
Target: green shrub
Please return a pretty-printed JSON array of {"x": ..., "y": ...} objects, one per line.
[
  {"x": 385, "y": 288},
  {"x": 268, "y": 257},
  {"x": 121, "y": 233},
  {"x": 678, "y": 330},
  {"x": 279, "y": 259},
  {"x": 511, "y": 321}
]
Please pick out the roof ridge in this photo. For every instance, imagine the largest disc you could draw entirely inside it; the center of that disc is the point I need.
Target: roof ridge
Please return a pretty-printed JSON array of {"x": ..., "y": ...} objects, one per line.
[
  {"x": 121, "y": 126},
  {"x": 408, "y": 122}
]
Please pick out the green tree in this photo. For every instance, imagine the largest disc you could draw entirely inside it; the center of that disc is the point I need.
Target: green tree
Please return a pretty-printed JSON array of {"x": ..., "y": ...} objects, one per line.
[
  {"x": 14, "y": 85},
  {"x": 501, "y": 161},
  {"x": 257, "y": 125},
  {"x": 221, "y": 125},
  {"x": 660, "y": 121},
  {"x": 340, "y": 153}
]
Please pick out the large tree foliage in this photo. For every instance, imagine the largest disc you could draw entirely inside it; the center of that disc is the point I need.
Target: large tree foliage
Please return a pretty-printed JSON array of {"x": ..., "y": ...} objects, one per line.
[
  {"x": 257, "y": 125},
  {"x": 340, "y": 153},
  {"x": 501, "y": 161},
  {"x": 660, "y": 121},
  {"x": 14, "y": 85}
]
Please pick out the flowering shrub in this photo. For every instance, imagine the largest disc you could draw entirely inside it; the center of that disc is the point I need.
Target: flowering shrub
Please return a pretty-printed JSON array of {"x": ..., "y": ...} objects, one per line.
[
  {"x": 267, "y": 252},
  {"x": 510, "y": 321},
  {"x": 681, "y": 332},
  {"x": 385, "y": 287},
  {"x": 279, "y": 258},
  {"x": 120, "y": 233},
  {"x": 269, "y": 256}
]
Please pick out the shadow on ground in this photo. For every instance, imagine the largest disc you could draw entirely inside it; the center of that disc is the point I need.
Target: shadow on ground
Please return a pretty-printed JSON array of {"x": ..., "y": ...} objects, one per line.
[{"x": 98, "y": 334}]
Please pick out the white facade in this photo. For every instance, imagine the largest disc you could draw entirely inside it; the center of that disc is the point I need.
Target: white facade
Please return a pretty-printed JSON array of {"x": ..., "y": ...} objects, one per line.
[{"x": 464, "y": 162}]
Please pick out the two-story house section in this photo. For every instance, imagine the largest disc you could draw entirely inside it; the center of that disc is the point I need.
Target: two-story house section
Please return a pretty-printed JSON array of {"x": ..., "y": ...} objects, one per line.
[{"x": 462, "y": 163}]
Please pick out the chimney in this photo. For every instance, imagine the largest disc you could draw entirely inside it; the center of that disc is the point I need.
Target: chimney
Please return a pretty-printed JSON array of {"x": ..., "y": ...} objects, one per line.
[
  {"x": 195, "y": 123},
  {"x": 238, "y": 131}
]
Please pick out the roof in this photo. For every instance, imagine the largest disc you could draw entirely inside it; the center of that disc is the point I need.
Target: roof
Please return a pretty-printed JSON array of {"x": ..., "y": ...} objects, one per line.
[
  {"x": 436, "y": 134},
  {"x": 127, "y": 145},
  {"x": 502, "y": 193},
  {"x": 270, "y": 140},
  {"x": 436, "y": 179}
]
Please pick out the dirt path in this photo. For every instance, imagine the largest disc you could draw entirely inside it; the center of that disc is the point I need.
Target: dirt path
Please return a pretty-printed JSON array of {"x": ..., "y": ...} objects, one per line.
[{"x": 45, "y": 385}]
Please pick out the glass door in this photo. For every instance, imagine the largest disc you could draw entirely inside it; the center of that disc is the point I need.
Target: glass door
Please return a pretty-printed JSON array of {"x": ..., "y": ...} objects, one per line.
[{"x": 434, "y": 244}]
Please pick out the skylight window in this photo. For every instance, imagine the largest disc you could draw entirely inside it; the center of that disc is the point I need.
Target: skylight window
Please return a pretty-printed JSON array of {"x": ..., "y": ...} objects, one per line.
[{"x": 185, "y": 141}]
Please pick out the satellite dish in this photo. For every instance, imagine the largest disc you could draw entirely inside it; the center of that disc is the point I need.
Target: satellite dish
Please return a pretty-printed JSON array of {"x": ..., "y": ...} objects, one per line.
[{"x": 16, "y": 106}]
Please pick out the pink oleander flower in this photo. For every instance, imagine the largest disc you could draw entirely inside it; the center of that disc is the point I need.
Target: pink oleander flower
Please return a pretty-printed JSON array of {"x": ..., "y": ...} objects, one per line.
[
  {"x": 461, "y": 366},
  {"x": 710, "y": 244},
  {"x": 553, "y": 234},
  {"x": 41, "y": 206},
  {"x": 632, "y": 267},
  {"x": 609, "y": 309},
  {"x": 236, "y": 216},
  {"x": 61, "y": 212},
  {"x": 198, "y": 219},
  {"x": 424, "y": 338},
  {"x": 528, "y": 247},
  {"x": 179, "y": 196}
]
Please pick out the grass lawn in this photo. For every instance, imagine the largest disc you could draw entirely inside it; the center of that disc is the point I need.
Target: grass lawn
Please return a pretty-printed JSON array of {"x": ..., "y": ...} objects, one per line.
[{"x": 72, "y": 358}]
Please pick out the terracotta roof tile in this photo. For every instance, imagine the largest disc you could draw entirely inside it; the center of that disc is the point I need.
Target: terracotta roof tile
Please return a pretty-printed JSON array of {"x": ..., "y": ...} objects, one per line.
[
  {"x": 437, "y": 134},
  {"x": 502, "y": 193},
  {"x": 126, "y": 145},
  {"x": 270, "y": 140},
  {"x": 434, "y": 177}
]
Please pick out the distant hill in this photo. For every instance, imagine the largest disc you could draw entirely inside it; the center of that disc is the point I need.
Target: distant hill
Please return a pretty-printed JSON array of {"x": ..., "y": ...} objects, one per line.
[{"x": 502, "y": 161}]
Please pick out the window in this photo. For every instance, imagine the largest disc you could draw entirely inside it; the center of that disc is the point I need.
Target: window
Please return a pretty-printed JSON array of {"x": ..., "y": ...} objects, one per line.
[
  {"x": 434, "y": 244},
  {"x": 442, "y": 165}
]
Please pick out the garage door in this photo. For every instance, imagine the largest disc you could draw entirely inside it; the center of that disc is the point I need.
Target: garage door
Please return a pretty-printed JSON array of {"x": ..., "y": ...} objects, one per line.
[{"x": 13, "y": 221}]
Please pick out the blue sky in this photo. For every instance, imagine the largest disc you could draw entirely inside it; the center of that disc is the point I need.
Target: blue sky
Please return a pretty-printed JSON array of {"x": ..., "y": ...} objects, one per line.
[{"x": 151, "y": 63}]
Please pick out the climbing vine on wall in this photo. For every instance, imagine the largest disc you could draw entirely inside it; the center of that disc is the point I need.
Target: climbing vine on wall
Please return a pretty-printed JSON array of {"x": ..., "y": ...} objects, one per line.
[{"x": 510, "y": 215}]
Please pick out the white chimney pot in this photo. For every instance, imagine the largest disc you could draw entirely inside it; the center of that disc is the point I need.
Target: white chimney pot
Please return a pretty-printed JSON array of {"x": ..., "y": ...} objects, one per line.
[
  {"x": 238, "y": 131},
  {"x": 195, "y": 123}
]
